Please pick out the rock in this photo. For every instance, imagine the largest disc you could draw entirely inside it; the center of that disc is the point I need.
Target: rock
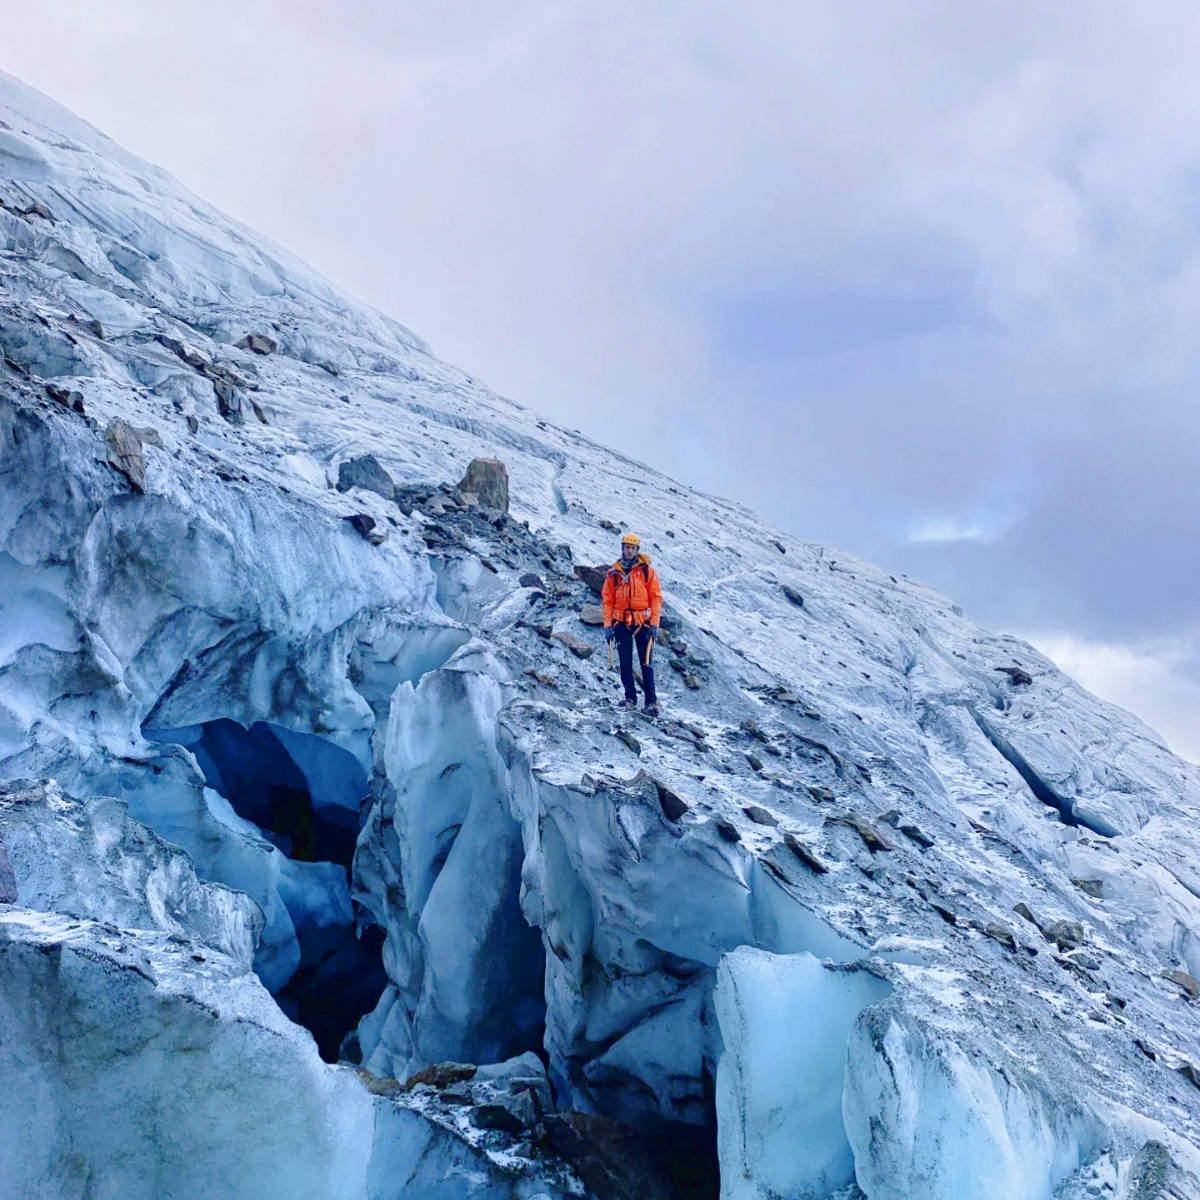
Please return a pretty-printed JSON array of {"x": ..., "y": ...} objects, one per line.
[
  {"x": 610, "y": 1158},
  {"x": 778, "y": 545},
  {"x": 1017, "y": 677},
  {"x": 804, "y": 854},
  {"x": 1090, "y": 887},
  {"x": 366, "y": 525},
  {"x": 328, "y": 368},
  {"x": 1190, "y": 1073},
  {"x": 1066, "y": 935},
  {"x": 872, "y": 838},
  {"x": 944, "y": 910},
  {"x": 690, "y": 681},
  {"x": 496, "y": 1116},
  {"x": 1189, "y": 983},
  {"x": 578, "y": 648},
  {"x": 1001, "y": 934},
  {"x": 609, "y": 526},
  {"x": 793, "y": 595},
  {"x": 822, "y": 795},
  {"x": 37, "y": 210},
  {"x": 229, "y": 402},
  {"x": 366, "y": 473},
  {"x": 594, "y": 577},
  {"x": 125, "y": 453},
  {"x": 1023, "y": 910},
  {"x": 915, "y": 835},
  {"x": 193, "y": 424},
  {"x": 592, "y": 614},
  {"x": 542, "y": 678},
  {"x": 625, "y": 736},
  {"x": 673, "y": 806},
  {"x": 442, "y": 1075},
  {"x": 760, "y": 816},
  {"x": 728, "y": 831},
  {"x": 8, "y": 881},
  {"x": 755, "y": 762},
  {"x": 66, "y": 397},
  {"x": 487, "y": 480},
  {"x": 259, "y": 343},
  {"x": 530, "y": 580}
]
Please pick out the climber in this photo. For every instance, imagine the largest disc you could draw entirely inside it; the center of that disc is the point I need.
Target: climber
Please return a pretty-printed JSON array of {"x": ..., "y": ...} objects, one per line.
[{"x": 632, "y": 607}]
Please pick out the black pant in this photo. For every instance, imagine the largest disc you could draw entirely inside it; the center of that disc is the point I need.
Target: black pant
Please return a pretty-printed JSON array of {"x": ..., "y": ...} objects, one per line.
[{"x": 625, "y": 642}]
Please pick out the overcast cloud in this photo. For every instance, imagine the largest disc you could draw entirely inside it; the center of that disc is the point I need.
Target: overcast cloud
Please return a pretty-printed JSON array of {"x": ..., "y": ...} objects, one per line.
[{"x": 917, "y": 279}]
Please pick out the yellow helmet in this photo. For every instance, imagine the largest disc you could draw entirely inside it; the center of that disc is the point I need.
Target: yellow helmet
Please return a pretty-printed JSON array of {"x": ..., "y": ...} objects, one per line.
[{"x": 631, "y": 539}]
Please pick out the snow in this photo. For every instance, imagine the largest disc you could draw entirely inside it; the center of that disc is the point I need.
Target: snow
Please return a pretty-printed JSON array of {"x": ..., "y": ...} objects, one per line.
[{"x": 503, "y": 824}]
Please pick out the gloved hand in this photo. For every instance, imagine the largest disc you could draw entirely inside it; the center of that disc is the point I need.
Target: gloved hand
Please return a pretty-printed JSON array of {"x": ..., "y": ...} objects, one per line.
[
  {"x": 654, "y": 632},
  {"x": 610, "y": 633}
]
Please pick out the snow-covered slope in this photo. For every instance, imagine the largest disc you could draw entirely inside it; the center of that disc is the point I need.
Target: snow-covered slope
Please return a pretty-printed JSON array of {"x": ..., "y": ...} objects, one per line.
[{"x": 862, "y": 910}]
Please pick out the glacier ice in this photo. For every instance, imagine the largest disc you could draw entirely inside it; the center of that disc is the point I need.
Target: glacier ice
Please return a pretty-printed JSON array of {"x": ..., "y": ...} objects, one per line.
[{"x": 371, "y": 771}]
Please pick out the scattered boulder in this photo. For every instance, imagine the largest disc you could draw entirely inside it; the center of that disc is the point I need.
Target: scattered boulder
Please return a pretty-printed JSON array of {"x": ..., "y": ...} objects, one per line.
[
  {"x": 728, "y": 831},
  {"x": 673, "y": 806},
  {"x": 125, "y": 453},
  {"x": 1066, "y": 935},
  {"x": 804, "y": 854},
  {"x": 1002, "y": 934},
  {"x": 37, "y": 210},
  {"x": 1016, "y": 676},
  {"x": 487, "y": 480},
  {"x": 531, "y": 580},
  {"x": 542, "y": 678},
  {"x": 755, "y": 762},
  {"x": 1189, "y": 983},
  {"x": 66, "y": 397},
  {"x": 8, "y": 878},
  {"x": 822, "y": 795},
  {"x": 871, "y": 837},
  {"x": 625, "y": 736},
  {"x": 497, "y": 1116},
  {"x": 442, "y": 1075},
  {"x": 259, "y": 343},
  {"x": 914, "y": 834},
  {"x": 367, "y": 527},
  {"x": 759, "y": 815},
  {"x": 229, "y": 401},
  {"x": 592, "y": 614},
  {"x": 577, "y": 647},
  {"x": 793, "y": 595},
  {"x": 366, "y": 473},
  {"x": 1023, "y": 910},
  {"x": 593, "y": 576},
  {"x": 1090, "y": 887}
]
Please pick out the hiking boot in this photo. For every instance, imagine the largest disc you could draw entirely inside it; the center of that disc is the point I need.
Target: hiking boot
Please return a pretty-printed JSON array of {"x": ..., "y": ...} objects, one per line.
[
  {"x": 651, "y": 710},
  {"x": 630, "y": 704}
]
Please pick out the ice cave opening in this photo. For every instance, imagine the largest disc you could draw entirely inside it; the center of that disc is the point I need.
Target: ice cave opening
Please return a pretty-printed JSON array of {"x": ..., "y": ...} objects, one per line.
[{"x": 307, "y": 797}]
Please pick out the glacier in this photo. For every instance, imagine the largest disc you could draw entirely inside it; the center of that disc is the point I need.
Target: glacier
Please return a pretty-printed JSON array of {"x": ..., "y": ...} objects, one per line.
[{"x": 329, "y": 866}]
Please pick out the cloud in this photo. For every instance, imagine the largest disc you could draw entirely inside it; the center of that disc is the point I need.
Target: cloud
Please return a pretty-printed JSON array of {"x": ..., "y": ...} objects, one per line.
[{"x": 922, "y": 280}]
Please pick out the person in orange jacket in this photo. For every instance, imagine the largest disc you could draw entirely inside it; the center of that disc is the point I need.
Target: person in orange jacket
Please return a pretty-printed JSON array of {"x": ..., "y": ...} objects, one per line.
[{"x": 632, "y": 599}]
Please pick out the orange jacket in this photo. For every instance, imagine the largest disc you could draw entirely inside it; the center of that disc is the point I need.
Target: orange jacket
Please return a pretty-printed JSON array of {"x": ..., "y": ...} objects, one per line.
[{"x": 637, "y": 590}]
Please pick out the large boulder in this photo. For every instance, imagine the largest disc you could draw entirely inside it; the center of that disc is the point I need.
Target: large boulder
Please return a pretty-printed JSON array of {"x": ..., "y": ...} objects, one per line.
[
  {"x": 487, "y": 480},
  {"x": 366, "y": 473}
]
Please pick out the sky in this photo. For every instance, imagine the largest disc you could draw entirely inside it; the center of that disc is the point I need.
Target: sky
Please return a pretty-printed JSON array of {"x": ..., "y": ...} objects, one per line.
[{"x": 919, "y": 280}]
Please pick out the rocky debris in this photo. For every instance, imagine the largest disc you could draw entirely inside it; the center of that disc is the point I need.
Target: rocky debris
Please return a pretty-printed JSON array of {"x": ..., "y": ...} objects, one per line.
[
  {"x": 532, "y": 580},
  {"x": 1066, "y": 935},
  {"x": 625, "y": 736},
  {"x": 259, "y": 343},
  {"x": 30, "y": 210},
  {"x": 914, "y": 834},
  {"x": 759, "y": 815},
  {"x": 1023, "y": 910},
  {"x": 871, "y": 837},
  {"x": 66, "y": 397},
  {"x": 487, "y": 480},
  {"x": 594, "y": 577},
  {"x": 610, "y": 1158},
  {"x": 1090, "y": 887},
  {"x": 367, "y": 527},
  {"x": 89, "y": 325},
  {"x": 1002, "y": 934},
  {"x": 609, "y": 526},
  {"x": 442, "y": 1075},
  {"x": 822, "y": 795},
  {"x": 779, "y": 545},
  {"x": 1016, "y": 675},
  {"x": 541, "y": 676},
  {"x": 592, "y": 614},
  {"x": 366, "y": 473},
  {"x": 226, "y": 384},
  {"x": 498, "y": 1117},
  {"x": 754, "y": 761},
  {"x": 577, "y": 647},
  {"x": 125, "y": 453},
  {"x": 8, "y": 880},
  {"x": 1189, "y": 983},
  {"x": 672, "y": 804},
  {"x": 804, "y": 854},
  {"x": 728, "y": 831},
  {"x": 794, "y": 596}
]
